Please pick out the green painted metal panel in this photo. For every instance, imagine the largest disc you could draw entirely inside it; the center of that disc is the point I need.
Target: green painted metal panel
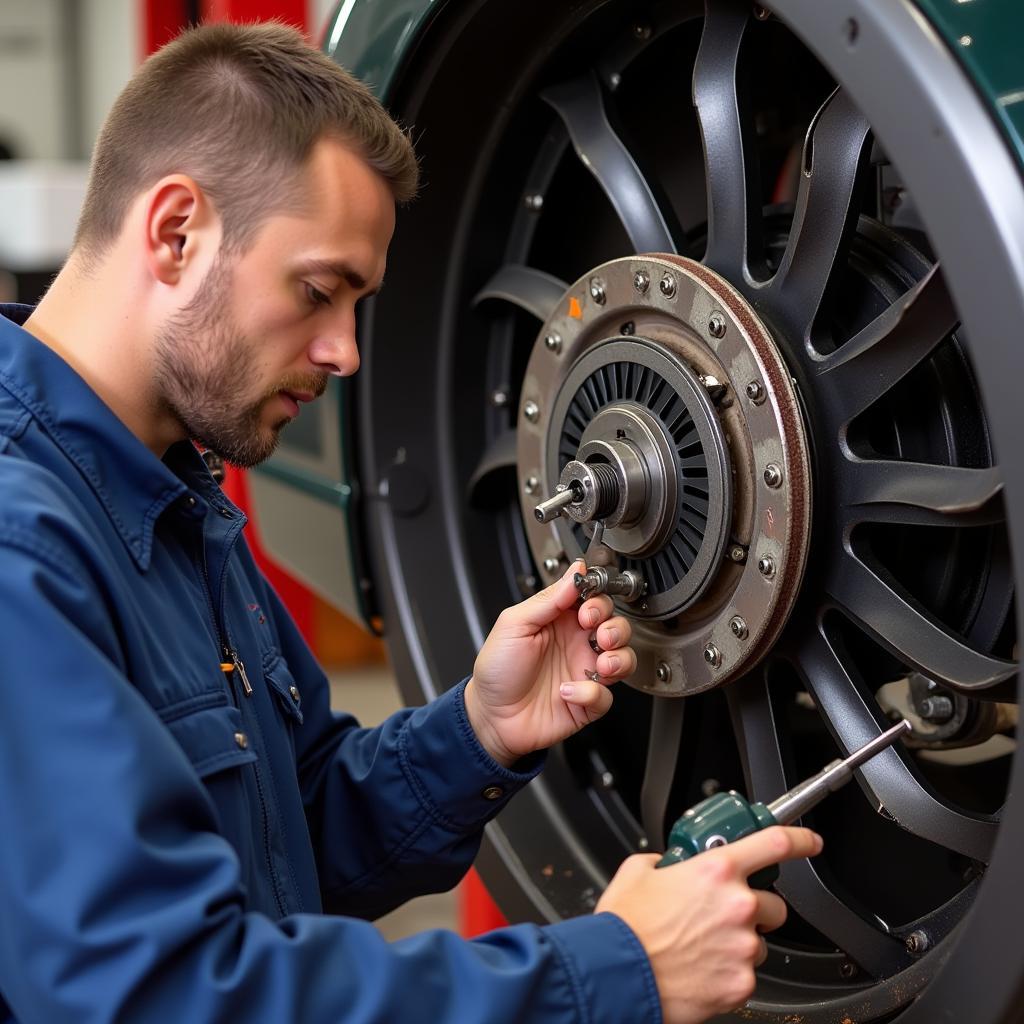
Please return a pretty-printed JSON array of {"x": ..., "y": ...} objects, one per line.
[{"x": 987, "y": 36}]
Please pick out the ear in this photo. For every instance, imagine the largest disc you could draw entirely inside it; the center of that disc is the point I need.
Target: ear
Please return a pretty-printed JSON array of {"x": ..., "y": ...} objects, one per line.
[{"x": 180, "y": 225}]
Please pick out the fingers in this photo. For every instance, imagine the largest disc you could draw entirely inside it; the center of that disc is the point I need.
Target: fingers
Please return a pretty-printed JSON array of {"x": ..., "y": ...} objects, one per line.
[
  {"x": 588, "y": 695},
  {"x": 770, "y": 912},
  {"x": 595, "y": 610},
  {"x": 546, "y": 605},
  {"x": 771, "y": 846}
]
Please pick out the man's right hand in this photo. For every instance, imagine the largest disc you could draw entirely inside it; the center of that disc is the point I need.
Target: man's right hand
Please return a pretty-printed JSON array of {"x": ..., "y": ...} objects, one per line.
[{"x": 700, "y": 922}]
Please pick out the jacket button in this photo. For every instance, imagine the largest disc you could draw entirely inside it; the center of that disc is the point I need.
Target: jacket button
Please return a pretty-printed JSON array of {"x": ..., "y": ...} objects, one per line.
[
  {"x": 190, "y": 501},
  {"x": 493, "y": 793},
  {"x": 294, "y": 691},
  {"x": 242, "y": 740}
]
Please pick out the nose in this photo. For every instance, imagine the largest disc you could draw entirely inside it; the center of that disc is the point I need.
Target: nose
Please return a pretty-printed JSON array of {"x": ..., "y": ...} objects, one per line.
[{"x": 334, "y": 350}]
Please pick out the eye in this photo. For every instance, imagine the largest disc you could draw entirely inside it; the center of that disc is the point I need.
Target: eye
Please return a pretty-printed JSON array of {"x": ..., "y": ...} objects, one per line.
[{"x": 317, "y": 297}]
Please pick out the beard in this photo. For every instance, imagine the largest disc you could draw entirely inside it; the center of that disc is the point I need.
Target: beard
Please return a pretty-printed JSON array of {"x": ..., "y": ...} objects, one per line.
[{"x": 203, "y": 362}]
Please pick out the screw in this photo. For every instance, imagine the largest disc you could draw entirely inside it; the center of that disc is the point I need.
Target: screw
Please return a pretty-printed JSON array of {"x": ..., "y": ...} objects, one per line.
[
  {"x": 531, "y": 485},
  {"x": 737, "y": 553},
  {"x": 713, "y": 656},
  {"x": 663, "y": 672},
  {"x": 531, "y": 411},
  {"x": 553, "y": 343},
  {"x": 847, "y": 969},
  {"x": 738, "y": 627},
  {"x": 717, "y": 325},
  {"x": 937, "y": 709},
  {"x": 642, "y": 31},
  {"x": 668, "y": 286},
  {"x": 552, "y": 564},
  {"x": 641, "y": 281},
  {"x": 772, "y": 475},
  {"x": 766, "y": 566},
  {"x": 607, "y": 780},
  {"x": 755, "y": 392},
  {"x": 597, "y": 291},
  {"x": 628, "y": 328},
  {"x": 918, "y": 942},
  {"x": 534, "y": 202},
  {"x": 499, "y": 398}
]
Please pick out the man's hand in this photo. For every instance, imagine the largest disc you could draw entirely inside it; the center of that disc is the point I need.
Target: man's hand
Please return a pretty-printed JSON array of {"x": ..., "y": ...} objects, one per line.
[
  {"x": 700, "y": 922},
  {"x": 529, "y": 687}
]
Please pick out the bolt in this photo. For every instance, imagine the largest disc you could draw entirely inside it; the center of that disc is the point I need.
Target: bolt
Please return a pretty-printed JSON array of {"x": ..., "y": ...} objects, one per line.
[
  {"x": 717, "y": 325},
  {"x": 642, "y": 31},
  {"x": 641, "y": 281},
  {"x": 607, "y": 780},
  {"x": 597, "y": 291},
  {"x": 668, "y": 286},
  {"x": 918, "y": 942},
  {"x": 713, "y": 656},
  {"x": 772, "y": 475},
  {"x": 553, "y": 342},
  {"x": 738, "y": 627},
  {"x": 552, "y": 564},
  {"x": 766, "y": 566},
  {"x": 847, "y": 969},
  {"x": 756, "y": 392},
  {"x": 532, "y": 484},
  {"x": 761, "y": 13},
  {"x": 737, "y": 553},
  {"x": 534, "y": 202},
  {"x": 628, "y": 328},
  {"x": 663, "y": 672},
  {"x": 531, "y": 411},
  {"x": 499, "y": 398},
  {"x": 937, "y": 709}
]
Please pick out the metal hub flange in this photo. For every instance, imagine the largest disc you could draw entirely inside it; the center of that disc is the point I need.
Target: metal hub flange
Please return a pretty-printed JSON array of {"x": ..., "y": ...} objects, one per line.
[{"x": 702, "y": 624}]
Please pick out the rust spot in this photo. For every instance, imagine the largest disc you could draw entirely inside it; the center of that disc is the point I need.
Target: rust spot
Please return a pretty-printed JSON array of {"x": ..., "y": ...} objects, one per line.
[
  {"x": 769, "y": 521},
  {"x": 575, "y": 311},
  {"x": 548, "y": 870}
]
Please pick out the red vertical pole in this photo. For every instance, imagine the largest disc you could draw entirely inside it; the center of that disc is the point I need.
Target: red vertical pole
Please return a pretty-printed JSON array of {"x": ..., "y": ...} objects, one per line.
[
  {"x": 478, "y": 913},
  {"x": 294, "y": 12},
  {"x": 161, "y": 21}
]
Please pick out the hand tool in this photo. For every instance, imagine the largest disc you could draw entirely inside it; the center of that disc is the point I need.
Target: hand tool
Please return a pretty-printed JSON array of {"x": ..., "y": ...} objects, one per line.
[{"x": 726, "y": 817}]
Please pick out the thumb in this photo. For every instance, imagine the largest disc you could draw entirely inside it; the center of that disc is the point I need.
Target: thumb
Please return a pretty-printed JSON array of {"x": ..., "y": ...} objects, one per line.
[{"x": 546, "y": 605}]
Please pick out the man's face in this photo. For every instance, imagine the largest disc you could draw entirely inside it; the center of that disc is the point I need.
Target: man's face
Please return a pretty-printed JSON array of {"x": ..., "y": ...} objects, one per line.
[{"x": 266, "y": 329}]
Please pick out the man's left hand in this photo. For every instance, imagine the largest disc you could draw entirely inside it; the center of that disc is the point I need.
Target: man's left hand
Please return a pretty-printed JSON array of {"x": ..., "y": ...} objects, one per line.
[{"x": 529, "y": 688}]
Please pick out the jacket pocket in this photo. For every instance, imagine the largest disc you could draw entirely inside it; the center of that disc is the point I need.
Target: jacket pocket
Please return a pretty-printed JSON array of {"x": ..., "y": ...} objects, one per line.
[
  {"x": 211, "y": 733},
  {"x": 282, "y": 685}
]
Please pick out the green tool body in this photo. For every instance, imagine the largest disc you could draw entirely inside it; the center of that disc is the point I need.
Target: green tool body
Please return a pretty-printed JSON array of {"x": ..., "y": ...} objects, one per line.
[{"x": 726, "y": 817}]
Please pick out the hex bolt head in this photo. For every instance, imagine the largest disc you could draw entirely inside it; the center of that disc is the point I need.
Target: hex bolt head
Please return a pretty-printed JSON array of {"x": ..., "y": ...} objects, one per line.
[
  {"x": 713, "y": 656},
  {"x": 552, "y": 564},
  {"x": 917, "y": 942},
  {"x": 641, "y": 281},
  {"x": 938, "y": 708},
  {"x": 738, "y": 627},
  {"x": 532, "y": 485},
  {"x": 668, "y": 286},
  {"x": 499, "y": 398},
  {"x": 847, "y": 969},
  {"x": 531, "y": 411},
  {"x": 766, "y": 566},
  {"x": 663, "y": 672},
  {"x": 773, "y": 475},
  {"x": 756, "y": 392},
  {"x": 737, "y": 553},
  {"x": 607, "y": 780},
  {"x": 717, "y": 325},
  {"x": 761, "y": 13},
  {"x": 553, "y": 342},
  {"x": 597, "y": 291}
]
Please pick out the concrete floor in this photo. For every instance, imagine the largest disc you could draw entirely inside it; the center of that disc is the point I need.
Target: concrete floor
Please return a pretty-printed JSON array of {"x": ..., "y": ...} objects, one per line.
[{"x": 371, "y": 695}]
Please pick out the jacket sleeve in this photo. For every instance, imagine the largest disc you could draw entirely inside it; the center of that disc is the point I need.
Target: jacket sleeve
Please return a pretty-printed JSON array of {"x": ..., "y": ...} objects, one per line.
[
  {"x": 420, "y": 785},
  {"x": 120, "y": 901}
]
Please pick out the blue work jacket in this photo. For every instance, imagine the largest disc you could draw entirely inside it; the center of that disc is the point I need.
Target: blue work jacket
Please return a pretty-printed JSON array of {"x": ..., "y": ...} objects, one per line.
[{"x": 171, "y": 831}]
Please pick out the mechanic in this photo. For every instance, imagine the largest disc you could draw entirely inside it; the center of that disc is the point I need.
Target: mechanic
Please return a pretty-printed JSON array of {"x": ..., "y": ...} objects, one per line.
[{"x": 180, "y": 805}]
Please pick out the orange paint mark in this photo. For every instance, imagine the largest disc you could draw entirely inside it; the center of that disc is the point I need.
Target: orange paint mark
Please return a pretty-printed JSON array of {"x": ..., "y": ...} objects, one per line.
[{"x": 574, "y": 308}]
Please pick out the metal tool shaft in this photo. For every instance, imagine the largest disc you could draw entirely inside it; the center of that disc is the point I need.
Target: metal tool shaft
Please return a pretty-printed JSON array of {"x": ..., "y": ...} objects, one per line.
[{"x": 799, "y": 800}]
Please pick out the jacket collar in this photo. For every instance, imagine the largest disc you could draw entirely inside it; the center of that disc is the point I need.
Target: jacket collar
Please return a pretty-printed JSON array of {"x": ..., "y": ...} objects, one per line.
[{"x": 131, "y": 483}]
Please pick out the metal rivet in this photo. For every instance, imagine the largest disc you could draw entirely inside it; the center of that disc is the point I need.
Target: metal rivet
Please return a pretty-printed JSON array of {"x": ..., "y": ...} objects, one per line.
[
  {"x": 766, "y": 566},
  {"x": 493, "y": 793},
  {"x": 641, "y": 281},
  {"x": 713, "y": 656},
  {"x": 917, "y": 942},
  {"x": 773, "y": 475},
  {"x": 738, "y": 627},
  {"x": 531, "y": 411},
  {"x": 714, "y": 842},
  {"x": 190, "y": 501},
  {"x": 737, "y": 553},
  {"x": 294, "y": 691},
  {"x": 642, "y": 31},
  {"x": 847, "y": 969},
  {"x": 533, "y": 202},
  {"x": 552, "y": 564},
  {"x": 663, "y": 672},
  {"x": 668, "y": 286},
  {"x": 756, "y": 392},
  {"x": 761, "y": 13},
  {"x": 597, "y": 291},
  {"x": 717, "y": 325},
  {"x": 607, "y": 780},
  {"x": 532, "y": 485},
  {"x": 553, "y": 342},
  {"x": 499, "y": 398},
  {"x": 642, "y": 843},
  {"x": 242, "y": 740}
]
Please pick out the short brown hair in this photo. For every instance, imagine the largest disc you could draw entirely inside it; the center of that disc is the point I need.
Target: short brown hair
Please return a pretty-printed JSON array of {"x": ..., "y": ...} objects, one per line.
[{"x": 238, "y": 108}]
